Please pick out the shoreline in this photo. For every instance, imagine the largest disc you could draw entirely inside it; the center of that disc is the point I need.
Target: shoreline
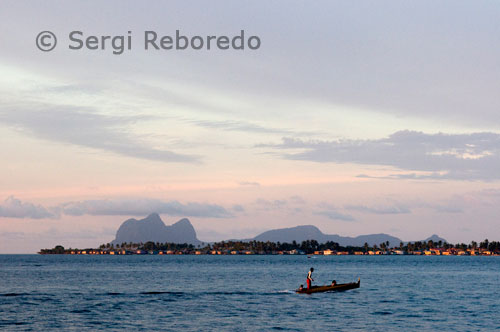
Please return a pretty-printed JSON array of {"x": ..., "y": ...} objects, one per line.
[{"x": 95, "y": 252}]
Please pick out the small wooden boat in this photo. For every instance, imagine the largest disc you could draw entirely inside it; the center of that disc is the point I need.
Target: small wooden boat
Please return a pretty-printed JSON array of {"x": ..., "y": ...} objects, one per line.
[{"x": 336, "y": 288}]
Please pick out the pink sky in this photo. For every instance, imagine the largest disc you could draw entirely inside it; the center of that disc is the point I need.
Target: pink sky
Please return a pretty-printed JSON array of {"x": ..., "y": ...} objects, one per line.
[{"x": 358, "y": 120}]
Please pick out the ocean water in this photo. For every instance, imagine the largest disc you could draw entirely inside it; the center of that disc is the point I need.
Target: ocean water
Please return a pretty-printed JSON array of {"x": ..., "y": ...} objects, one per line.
[{"x": 247, "y": 293}]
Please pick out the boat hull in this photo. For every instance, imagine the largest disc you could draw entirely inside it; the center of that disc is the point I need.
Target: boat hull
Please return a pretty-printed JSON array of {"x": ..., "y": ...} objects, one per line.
[{"x": 336, "y": 288}]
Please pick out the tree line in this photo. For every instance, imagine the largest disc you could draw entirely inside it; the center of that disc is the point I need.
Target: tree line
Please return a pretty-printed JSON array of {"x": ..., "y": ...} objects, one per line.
[{"x": 308, "y": 246}]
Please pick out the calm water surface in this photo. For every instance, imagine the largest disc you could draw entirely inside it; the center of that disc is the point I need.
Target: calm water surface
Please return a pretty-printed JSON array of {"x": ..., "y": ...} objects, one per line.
[{"x": 247, "y": 293}]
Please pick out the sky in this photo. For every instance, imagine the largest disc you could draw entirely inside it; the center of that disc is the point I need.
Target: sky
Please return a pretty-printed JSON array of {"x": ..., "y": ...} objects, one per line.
[{"x": 356, "y": 117}]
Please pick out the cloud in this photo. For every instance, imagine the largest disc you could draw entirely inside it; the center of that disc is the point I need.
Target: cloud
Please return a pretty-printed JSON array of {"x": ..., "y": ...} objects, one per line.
[
  {"x": 86, "y": 128},
  {"x": 473, "y": 156},
  {"x": 248, "y": 127},
  {"x": 457, "y": 203},
  {"x": 15, "y": 208},
  {"x": 454, "y": 204},
  {"x": 288, "y": 206},
  {"x": 54, "y": 233},
  {"x": 268, "y": 205},
  {"x": 141, "y": 207},
  {"x": 331, "y": 212},
  {"x": 238, "y": 208},
  {"x": 296, "y": 199},
  {"x": 358, "y": 58},
  {"x": 335, "y": 215},
  {"x": 81, "y": 88},
  {"x": 395, "y": 209}
]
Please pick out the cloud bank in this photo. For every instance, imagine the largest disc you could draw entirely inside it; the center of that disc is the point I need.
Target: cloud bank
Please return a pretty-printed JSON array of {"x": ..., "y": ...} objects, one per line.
[
  {"x": 140, "y": 207},
  {"x": 15, "y": 208},
  {"x": 473, "y": 156}
]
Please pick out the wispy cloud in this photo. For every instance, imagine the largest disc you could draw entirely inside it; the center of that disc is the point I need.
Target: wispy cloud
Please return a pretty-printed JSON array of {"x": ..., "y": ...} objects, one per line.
[
  {"x": 245, "y": 126},
  {"x": 440, "y": 156},
  {"x": 270, "y": 205},
  {"x": 390, "y": 209},
  {"x": 335, "y": 215},
  {"x": 332, "y": 212},
  {"x": 86, "y": 128}
]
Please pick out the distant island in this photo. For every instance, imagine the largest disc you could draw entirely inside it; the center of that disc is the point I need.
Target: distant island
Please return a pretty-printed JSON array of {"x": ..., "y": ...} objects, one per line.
[
  {"x": 151, "y": 236},
  {"x": 310, "y": 232},
  {"x": 153, "y": 229}
]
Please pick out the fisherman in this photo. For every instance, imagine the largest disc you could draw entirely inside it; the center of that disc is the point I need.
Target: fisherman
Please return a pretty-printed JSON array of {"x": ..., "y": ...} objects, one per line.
[
  {"x": 334, "y": 282},
  {"x": 301, "y": 287},
  {"x": 309, "y": 278}
]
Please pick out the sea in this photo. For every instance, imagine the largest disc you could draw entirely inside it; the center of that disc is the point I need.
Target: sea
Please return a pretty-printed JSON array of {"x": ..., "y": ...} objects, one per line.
[{"x": 247, "y": 293}]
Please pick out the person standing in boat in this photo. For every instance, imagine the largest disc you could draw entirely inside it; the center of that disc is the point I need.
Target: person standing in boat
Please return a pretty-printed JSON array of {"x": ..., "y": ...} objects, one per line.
[{"x": 309, "y": 278}]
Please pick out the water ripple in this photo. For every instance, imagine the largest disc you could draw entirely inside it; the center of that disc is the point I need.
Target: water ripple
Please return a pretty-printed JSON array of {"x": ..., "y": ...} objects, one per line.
[{"x": 148, "y": 293}]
